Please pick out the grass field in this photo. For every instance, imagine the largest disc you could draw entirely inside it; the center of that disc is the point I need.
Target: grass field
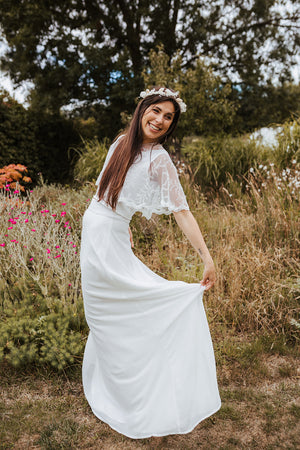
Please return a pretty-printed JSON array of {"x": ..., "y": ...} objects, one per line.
[
  {"x": 253, "y": 312},
  {"x": 260, "y": 406}
]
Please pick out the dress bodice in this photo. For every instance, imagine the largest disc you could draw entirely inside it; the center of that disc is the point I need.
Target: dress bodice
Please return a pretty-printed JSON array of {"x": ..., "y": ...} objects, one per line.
[{"x": 151, "y": 184}]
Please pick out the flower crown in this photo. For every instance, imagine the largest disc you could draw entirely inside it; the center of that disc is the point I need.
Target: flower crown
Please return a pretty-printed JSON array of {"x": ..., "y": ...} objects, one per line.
[{"x": 166, "y": 93}]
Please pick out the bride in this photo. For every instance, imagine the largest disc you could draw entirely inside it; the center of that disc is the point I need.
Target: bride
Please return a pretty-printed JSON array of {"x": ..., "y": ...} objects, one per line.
[{"x": 149, "y": 367}]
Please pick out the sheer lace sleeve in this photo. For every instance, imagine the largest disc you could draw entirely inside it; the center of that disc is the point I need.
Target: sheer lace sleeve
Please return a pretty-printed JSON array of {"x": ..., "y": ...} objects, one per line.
[{"x": 167, "y": 188}]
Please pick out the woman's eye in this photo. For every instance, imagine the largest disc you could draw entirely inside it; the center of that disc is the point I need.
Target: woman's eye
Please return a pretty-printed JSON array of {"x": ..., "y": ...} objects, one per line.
[{"x": 155, "y": 110}]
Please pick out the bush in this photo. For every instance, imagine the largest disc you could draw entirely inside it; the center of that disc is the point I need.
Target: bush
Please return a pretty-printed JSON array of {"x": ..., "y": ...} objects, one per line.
[
  {"x": 215, "y": 161},
  {"x": 37, "y": 140},
  {"x": 12, "y": 177},
  {"x": 91, "y": 159},
  {"x": 37, "y": 330},
  {"x": 18, "y": 130}
]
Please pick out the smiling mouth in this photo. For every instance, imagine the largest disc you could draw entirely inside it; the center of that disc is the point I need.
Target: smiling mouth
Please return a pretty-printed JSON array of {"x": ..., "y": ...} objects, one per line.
[{"x": 153, "y": 127}]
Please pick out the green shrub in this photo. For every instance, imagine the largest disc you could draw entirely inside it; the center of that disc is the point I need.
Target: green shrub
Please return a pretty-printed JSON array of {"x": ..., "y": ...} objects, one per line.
[
  {"x": 39, "y": 141},
  {"x": 215, "y": 161},
  {"x": 18, "y": 130},
  {"x": 91, "y": 159},
  {"x": 40, "y": 330}
]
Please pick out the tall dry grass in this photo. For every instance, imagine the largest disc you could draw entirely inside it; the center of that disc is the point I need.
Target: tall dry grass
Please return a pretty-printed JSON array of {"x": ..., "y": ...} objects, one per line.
[
  {"x": 254, "y": 240},
  {"x": 253, "y": 236}
]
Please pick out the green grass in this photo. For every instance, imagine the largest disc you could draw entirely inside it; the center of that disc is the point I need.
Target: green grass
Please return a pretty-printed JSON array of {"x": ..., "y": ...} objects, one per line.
[{"x": 260, "y": 408}]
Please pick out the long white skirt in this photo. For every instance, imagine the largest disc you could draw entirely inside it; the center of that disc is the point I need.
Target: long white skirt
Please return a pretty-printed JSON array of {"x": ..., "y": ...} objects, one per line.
[{"x": 149, "y": 367}]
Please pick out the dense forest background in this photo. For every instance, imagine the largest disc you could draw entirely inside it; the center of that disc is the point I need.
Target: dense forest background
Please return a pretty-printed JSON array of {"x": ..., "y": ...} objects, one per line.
[{"x": 88, "y": 60}]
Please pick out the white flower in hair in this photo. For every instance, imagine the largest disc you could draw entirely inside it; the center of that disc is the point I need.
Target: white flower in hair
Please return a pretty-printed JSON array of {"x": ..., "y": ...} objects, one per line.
[{"x": 166, "y": 93}]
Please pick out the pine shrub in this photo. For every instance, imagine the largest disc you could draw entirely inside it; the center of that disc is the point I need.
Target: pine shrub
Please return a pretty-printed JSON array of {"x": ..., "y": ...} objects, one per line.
[{"x": 39, "y": 330}]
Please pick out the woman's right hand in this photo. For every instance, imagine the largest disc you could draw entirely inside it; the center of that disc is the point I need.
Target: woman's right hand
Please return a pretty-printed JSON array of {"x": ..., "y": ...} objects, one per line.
[{"x": 209, "y": 276}]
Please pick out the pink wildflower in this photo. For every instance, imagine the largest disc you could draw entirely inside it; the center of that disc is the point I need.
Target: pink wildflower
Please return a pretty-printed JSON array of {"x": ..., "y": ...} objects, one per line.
[
  {"x": 48, "y": 251},
  {"x": 31, "y": 259},
  {"x": 57, "y": 246},
  {"x": 2, "y": 245},
  {"x": 32, "y": 229},
  {"x": 53, "y": 215},
  {"x": 10, "y": 228},
  {"x": 57, "y": 256},
  {"x": 63, "y": 213},
  {"x": 57, "y": 221},
  {"x": 63, "y": 204},
  {"x": 26, "y": 220}
]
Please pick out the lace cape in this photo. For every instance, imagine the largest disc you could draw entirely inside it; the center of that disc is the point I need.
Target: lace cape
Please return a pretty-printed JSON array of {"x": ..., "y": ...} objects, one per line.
[{"x": 151, "y": 184}]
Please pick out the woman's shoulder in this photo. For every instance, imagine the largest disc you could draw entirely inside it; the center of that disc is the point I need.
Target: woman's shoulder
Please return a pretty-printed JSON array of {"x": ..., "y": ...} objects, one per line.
[{"x": 155, "y": 151}]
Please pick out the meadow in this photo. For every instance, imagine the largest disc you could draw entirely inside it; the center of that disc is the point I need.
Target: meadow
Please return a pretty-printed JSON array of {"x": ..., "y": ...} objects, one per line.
[{"x": 248, "y": 210}]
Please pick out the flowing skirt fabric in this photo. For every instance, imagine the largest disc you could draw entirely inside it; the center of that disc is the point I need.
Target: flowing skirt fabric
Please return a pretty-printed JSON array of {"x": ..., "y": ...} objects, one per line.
[{"x": 149, "y": 367}]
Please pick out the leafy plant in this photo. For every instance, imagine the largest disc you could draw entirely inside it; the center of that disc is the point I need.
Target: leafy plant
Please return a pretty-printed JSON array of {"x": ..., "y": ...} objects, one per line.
[
  {"x": 91, "y": 159},
  {"x": 12, "y": 176},
  {"x": 216, "y": 161}
]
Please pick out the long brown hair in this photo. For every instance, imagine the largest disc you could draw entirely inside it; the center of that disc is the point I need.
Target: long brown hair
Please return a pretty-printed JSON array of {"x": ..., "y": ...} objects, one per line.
[{"x": 129, "y": 147}]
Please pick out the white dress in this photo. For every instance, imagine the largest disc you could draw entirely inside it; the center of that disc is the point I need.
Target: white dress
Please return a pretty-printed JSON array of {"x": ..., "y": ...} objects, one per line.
[{"x": 149, "y": 367}]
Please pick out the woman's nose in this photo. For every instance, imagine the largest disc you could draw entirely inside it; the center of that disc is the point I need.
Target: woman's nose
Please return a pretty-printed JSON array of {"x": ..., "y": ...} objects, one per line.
[{"x": 159, "y": 118}]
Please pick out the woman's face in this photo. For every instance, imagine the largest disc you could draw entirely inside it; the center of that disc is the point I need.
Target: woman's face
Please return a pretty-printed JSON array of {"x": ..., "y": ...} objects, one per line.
[{"x": 157, "y": 120}]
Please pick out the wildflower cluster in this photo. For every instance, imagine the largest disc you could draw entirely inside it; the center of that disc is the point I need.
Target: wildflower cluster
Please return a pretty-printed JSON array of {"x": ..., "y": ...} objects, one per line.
[
  {"x": 40, "y": 293},
  {"x": 38, "y": 242},
  {"x": 286, "y": 181}
]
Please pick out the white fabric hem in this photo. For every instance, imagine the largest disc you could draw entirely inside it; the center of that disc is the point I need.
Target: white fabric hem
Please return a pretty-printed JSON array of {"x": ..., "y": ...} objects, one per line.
[{"x": 166, "y": 433}]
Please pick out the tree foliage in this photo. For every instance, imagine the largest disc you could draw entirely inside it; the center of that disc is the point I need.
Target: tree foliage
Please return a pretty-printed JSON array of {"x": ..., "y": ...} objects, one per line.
[
  {"x": 210, "y": 110},
  {"x": 17, "y": 134},
  {"x": 36, "y": 139},
  {"x": 94, "y": 51}
]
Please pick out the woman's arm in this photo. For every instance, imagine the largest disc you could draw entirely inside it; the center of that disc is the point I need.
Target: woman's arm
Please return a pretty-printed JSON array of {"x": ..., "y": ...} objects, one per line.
[{"x": 188, "y": 224}]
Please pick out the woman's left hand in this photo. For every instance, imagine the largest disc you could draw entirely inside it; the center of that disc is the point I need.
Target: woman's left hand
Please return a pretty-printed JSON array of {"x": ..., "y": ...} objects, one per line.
[
  {"x": 209, "y": 276},
  {"x": 131, "y": 238}
]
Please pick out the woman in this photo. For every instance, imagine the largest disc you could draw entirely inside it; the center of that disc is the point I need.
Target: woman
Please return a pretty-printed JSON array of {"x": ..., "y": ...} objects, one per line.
[{"x": 149, "y": 367}]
